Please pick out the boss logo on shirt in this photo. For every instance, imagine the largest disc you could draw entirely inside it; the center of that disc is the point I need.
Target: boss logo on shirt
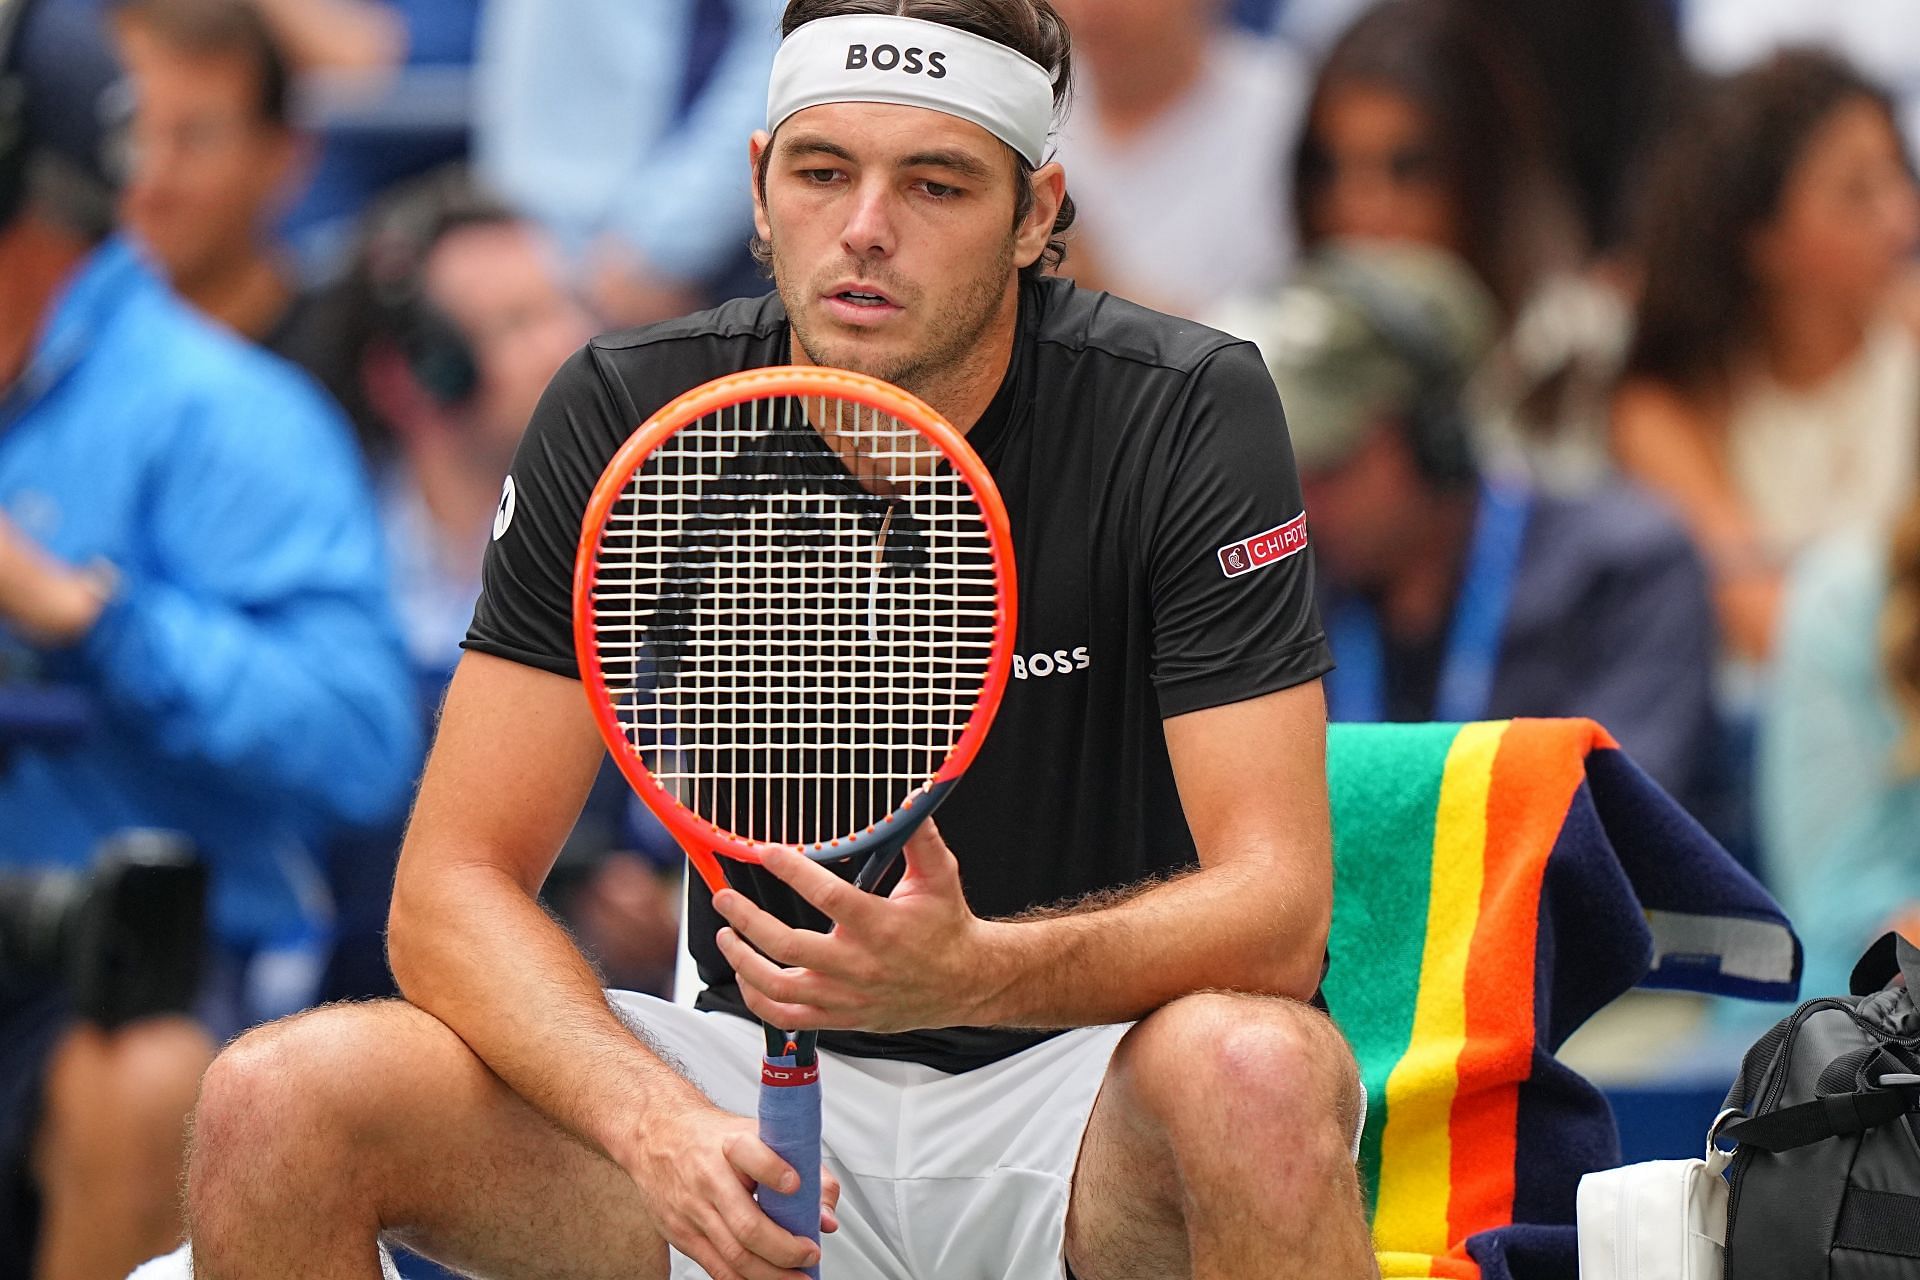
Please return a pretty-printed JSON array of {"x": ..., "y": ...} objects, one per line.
[
  {"x": 1263, "y": 549},
  {"x": 1060, "y": 662},
  {"x": 886, "y": 57}
]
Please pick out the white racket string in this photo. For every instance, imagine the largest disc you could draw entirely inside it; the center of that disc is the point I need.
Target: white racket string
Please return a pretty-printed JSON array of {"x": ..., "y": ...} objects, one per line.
[{"x": 794, "y": 605}]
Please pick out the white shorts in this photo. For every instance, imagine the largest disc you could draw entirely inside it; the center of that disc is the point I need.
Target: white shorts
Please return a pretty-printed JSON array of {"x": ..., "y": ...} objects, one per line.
[{"x": 963, "y": 1177}]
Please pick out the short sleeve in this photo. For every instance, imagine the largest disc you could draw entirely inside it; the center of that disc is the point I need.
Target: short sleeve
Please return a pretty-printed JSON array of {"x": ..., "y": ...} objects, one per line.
[
  {"x": 1229, "y": 568},
  {"x": 525, "y": 611}
]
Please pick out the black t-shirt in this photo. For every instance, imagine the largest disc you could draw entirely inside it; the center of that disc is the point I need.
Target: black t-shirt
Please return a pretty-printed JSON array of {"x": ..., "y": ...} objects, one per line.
[{"x": 1157, "y": 529}]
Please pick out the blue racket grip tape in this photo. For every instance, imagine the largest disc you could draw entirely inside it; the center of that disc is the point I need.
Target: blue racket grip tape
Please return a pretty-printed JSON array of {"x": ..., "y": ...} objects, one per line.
[{"x": 790, "y": 1124}]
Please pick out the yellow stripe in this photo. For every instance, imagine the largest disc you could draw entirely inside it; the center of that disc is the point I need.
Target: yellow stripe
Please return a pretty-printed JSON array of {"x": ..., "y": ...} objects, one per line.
[{"x": 1416, "y": 1147}]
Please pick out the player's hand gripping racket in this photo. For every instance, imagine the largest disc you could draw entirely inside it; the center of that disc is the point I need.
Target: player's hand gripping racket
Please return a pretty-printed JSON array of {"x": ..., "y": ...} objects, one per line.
[{"x": 794, "y": 614}]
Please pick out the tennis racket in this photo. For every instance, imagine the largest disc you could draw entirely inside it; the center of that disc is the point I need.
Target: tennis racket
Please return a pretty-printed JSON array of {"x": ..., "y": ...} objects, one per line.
[{"x": 794, "y": 615}]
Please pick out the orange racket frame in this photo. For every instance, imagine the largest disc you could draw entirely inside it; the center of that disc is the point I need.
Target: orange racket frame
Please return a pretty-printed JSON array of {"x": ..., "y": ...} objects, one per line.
[{"x": 702, "y": 839}]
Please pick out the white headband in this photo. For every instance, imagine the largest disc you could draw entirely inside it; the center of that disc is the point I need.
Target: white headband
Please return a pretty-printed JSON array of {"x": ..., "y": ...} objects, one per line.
[{"x": 910, "y": 62}]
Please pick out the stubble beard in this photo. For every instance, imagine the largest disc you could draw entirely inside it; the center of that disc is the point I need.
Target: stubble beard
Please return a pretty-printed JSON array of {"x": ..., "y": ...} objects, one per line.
[{"x": 953, "y": 334}]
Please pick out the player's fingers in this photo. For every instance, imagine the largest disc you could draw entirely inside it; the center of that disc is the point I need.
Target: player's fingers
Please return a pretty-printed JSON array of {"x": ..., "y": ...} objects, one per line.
[
  {"x": 829, "y": 1200},
  {"x": 725, "y": 1258},
  {"x": 794, "y": 986},
  {"x": 761, "y": 1243},
  {"x": 928, "y": 859},
  {"x": 703, "y": 1252},
  {"x": 836, "y": 899},
  {"x": 760, "y": 1164},
  {"x": 773, "y": 937},
  {"x": 794, "y": 1017},
  {"x": 752, "y": 1243}
]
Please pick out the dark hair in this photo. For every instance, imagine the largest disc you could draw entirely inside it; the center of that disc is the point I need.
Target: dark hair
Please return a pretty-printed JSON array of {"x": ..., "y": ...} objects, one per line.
[
  {"x": 1619, "y": 79},
  {"x": 223, "y": 28},
  {"x": 1720, "y": 179},
  {"x": 1029, "y": 27},
  {"x": 1484, "y": 109}
]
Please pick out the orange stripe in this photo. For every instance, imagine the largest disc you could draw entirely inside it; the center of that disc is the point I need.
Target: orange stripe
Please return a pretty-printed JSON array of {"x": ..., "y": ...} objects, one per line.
[{"x": 1540, "y": 766}]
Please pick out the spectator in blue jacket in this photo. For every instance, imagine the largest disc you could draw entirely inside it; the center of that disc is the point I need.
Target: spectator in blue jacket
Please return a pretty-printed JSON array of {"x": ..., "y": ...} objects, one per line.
[{"x": 186, "y": 538}]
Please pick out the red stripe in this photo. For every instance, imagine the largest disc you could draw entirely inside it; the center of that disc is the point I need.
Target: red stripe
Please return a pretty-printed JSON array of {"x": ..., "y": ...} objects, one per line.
[
  {"x": 1539, "y": 767},
  {"x": 788, "y": 1077}
]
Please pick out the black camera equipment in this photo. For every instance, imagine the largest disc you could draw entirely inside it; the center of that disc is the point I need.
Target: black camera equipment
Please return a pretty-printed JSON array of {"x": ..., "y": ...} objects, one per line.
[{"x": 125, "y": 938}]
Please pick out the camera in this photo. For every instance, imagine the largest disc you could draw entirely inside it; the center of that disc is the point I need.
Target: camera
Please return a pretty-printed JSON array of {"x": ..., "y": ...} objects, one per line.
[{"x": 125, "y": 938}]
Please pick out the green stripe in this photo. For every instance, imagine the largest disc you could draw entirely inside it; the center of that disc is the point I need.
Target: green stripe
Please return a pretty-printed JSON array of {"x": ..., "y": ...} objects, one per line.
[{"x": 1384, "y": 781}]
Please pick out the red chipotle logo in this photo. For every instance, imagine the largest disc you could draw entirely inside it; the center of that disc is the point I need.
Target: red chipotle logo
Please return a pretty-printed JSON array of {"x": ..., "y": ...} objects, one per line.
[{"x": 1263, "y": 549}]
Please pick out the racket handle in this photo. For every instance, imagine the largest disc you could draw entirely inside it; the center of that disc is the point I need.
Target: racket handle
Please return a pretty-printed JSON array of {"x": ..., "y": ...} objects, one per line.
[{"x": 790, "y": 1124}]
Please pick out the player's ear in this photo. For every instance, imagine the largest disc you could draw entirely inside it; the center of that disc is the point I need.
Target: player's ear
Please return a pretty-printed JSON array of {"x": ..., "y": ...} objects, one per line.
[
  {"x": 756, "y": 162},
  {"x": 1049, "y": 183}
]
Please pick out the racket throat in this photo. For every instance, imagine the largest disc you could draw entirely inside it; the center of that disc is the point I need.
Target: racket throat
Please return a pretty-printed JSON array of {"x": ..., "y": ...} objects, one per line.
[
  {"x": 792, "y": 1048},
  {"x": 886, "y": 851}
]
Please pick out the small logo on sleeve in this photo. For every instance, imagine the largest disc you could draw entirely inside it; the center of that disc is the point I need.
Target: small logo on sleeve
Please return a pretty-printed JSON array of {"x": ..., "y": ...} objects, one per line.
[
  {"x": 1263, "y": 549},
  {"x": 503, "y": 514}
]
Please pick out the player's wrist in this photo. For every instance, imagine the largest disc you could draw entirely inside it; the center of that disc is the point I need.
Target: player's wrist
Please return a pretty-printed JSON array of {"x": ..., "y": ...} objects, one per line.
[
  {"x": 634, "y": 1136},
  {"x": 999, "y": 963}
]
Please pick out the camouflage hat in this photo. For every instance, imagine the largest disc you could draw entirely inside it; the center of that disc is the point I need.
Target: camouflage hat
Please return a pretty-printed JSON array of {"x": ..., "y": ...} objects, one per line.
[{"x": 1361, "y": 334}]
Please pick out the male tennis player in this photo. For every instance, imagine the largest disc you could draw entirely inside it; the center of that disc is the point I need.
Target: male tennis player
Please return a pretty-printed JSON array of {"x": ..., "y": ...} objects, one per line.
[{"x": 1080, "y": 1039}]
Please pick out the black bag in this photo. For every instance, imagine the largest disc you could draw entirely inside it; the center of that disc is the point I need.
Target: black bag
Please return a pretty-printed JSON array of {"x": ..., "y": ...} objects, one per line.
[{"x": 1826, "y": 1180}]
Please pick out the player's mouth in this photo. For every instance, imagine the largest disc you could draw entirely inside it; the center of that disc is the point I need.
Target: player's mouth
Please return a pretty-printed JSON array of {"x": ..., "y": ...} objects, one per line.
[{"x": 857, "y": 304}]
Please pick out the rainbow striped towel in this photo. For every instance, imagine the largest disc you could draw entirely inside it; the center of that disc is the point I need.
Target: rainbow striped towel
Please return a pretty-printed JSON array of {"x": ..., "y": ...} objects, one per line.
[{"x": 1495, "y": 885}]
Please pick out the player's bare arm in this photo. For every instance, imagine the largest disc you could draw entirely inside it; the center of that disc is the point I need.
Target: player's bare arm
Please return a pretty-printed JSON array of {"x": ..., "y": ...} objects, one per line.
[
  {"x": 1254, "y": 917},
  {"x": 515, "y": 756}
]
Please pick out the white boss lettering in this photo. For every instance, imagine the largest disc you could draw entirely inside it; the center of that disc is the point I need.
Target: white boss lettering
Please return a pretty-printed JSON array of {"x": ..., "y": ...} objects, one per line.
[{"x": 1058, "y": 663}]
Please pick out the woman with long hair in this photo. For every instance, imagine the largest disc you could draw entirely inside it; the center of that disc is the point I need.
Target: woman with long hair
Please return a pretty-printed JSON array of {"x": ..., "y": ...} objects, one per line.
[
  {"x": 1770, "y": 391},
  {"x": 1425, "y": 126}
]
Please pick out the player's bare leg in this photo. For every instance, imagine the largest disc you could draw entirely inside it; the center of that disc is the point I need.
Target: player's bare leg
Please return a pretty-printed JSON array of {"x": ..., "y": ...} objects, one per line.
[
  {"x": 1221, "y": 1147},
  {"x": 108, "y": 1152},
  {"x": 316, "y": 1133}
]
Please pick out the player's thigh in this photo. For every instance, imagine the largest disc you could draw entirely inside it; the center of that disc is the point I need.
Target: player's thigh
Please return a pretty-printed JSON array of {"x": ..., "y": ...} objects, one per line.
[{"x": 383, "y": 1101}]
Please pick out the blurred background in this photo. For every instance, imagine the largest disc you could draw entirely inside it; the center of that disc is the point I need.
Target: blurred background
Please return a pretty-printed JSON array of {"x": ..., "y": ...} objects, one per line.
[{"x": 1597, "y": 323}]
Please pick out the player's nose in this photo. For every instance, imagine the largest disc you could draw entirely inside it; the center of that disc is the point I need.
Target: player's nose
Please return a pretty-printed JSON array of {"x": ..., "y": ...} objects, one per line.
[{"x": 870, "y": 229}]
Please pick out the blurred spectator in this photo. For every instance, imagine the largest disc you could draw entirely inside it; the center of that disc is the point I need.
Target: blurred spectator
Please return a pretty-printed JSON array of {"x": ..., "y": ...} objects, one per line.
[
  {"x": 619, "y": 126},
  {"x": 447, "y": 328},
  {"x": 449, "y": 324},
  {"x": 1424, "y": 127},
  {"x": 1617, "y": 79},
  {"x": 1839, "y": 782},
  {"x": 386, "y": 86},
  {"x": 184, "y": 536},
  {"x": 1879, "y": 36},
  {"x": 1770, "y": 391},
  {"x": 1429, "y": 125},
  {"x": 1455, "y": 595},
  {"x": 214, "y": 160},
  {"x": 1171, "y": 152},
  {"x": 338, "y": 35}
]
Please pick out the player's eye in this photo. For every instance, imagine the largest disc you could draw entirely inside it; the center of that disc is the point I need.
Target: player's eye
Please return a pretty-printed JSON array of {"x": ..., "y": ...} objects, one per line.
[
  {"x": 940, "y": 190},
  {"x": 820, "y": 177}
]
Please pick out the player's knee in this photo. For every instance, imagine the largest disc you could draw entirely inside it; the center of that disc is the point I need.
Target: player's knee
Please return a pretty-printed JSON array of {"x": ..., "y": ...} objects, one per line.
[
  {"x": 1250, "y": 1062},
  {"x": 281, "y": 1101}
]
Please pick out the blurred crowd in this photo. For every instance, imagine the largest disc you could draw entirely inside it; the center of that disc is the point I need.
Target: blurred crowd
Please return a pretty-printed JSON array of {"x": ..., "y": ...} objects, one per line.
[{"x": 1597, "y": 326}]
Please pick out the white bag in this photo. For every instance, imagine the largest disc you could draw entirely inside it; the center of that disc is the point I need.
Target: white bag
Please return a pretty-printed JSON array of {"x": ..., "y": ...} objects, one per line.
[{"x": 1663, "y": 1220}]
